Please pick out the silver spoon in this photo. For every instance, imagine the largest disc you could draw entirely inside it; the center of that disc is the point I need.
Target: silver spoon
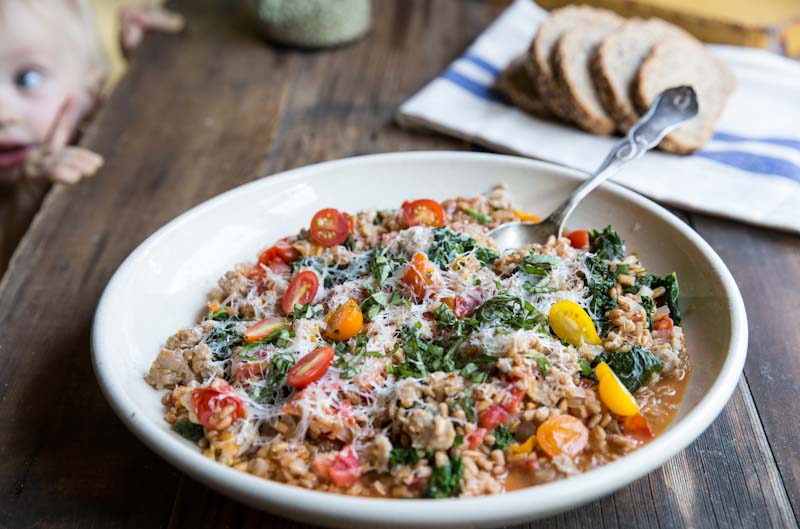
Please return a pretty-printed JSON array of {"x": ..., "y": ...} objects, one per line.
[{"x": 670, "y": 108}]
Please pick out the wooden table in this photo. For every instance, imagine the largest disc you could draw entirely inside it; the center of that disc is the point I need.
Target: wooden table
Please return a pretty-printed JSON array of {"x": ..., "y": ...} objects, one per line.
[{"x": 216, "y": 107}]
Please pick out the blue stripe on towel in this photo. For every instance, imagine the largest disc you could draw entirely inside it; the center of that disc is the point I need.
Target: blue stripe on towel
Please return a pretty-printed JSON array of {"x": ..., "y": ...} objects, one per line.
[
  {"x": 735, "y": 138},
  {"x": 473, "y": 87},
  {"x": 483, "y": 64},
  {"x": 755, "y": 163}
]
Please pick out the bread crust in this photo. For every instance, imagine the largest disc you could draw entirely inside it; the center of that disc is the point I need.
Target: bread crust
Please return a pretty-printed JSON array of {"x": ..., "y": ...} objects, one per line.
[{"x": 516, "y": 84}]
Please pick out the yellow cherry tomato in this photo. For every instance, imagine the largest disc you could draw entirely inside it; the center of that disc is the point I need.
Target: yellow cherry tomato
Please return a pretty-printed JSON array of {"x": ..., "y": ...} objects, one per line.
[
  {"x": 524, "y": 448},
  {"x": 573, "y": 324},
  {"x": 613, "y": 392},
  {"x": 344, "y": 322},
  {"x": 527, "y": 217}
]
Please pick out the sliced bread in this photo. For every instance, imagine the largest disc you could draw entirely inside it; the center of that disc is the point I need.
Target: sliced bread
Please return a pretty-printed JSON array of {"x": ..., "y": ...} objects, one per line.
[
  {"x": 515, "y": 83},
  {"x": 679, "y": 62},
  {"x": 543, "y": 45},
  {"x": 616, "y": 62},
  {"x": 570, "y": 64}
]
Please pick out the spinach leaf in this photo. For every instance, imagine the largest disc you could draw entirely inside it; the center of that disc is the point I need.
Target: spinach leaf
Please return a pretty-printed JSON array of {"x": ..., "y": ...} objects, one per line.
[
  {"x": 670, "y": 284},
  {"x": 633, "y": 368},
  {"x": 607, "y": 245},
  {"x": 445, "y": 481},
  {"x": 502, "y": 438},
  {"x": 189, "y": 430}
]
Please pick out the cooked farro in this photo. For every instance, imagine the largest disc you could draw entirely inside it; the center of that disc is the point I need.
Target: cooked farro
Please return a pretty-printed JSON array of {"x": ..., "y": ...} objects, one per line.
[{"x": 367, "y": 357}]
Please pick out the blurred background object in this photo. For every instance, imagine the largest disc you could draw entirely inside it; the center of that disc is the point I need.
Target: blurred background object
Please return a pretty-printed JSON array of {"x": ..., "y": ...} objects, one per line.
[
  {"x": 768, "y": 24},
  {"x": 313, "y": 23}
]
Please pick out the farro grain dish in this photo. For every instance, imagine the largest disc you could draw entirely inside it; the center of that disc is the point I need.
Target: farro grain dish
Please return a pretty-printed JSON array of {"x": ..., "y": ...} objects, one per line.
[{"x": 395, "y": 353}]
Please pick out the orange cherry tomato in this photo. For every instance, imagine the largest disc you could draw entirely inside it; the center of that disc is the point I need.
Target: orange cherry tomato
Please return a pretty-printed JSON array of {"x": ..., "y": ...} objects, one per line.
[
  {"x": 423, "y": 212},
  {"x": 578, "y": 239},
  {"x": 637, "y": 425},
  {"x": 330, "y": 227},
  {"x": 493, "y": 416},
  {"x": 563, "y": 434},
  {"x": 212, "y": 405},
  {"x": 311, "y": 367},
  {"x": 344, "y": 322},
  {"x": 262, "y": 329},
  {"x": 302, "y": 290},
  {"x": 664, "y": 324},
  {"x": 420, "y": 275}
]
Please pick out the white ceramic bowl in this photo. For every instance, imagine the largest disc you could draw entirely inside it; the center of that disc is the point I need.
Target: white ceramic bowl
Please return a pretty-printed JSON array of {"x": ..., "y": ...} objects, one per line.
[{"x": 162, "y": 286}]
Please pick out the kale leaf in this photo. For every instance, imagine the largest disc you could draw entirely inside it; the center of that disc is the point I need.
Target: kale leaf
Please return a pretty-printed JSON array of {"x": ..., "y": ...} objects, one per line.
[
  {"x": 648, "y": 304},
  {"x": 607, "y": 245},
  {"x": 447, "y": 245},
  {"x": 445, "y": 481},
  {"x": 670, "y": 284},
  {"x": 599, "y": 281},
  {"x": 633, "y": 368},
  {"x": 408, "y": 456},
  {"x": 188, "y": 430}
]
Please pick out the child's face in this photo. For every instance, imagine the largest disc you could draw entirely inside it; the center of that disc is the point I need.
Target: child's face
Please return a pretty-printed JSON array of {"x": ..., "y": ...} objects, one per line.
[{"x": 39, "y": 71}]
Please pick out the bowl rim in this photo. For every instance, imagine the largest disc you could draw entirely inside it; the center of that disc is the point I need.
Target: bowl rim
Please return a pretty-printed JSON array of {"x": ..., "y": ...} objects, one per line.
[{"x": 344, "y": 511}]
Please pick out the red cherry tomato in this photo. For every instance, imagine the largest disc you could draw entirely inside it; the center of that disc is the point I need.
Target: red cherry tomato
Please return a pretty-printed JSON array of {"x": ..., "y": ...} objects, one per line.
[
  {"x": 271, "y": 258},
  {"x": 578, "y": 239},
  {"x": 286, "y": 251},
  {"x": 330, "y": 227},
  {"x": 302, "y": 290},
  {"x": 493, "y": 416},
  {"x": 664, "y": 324},
  {"x": 311, "y": 367},
  {"x": 475, "y": 439},
  {"x": 423, "y": 212},
  {"x": 210, "y": 405},
  {"x": 262, "y": 329}
]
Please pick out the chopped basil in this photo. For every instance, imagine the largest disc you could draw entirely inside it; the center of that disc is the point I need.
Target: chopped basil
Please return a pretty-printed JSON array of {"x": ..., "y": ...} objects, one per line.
[
  {"x": 541, "y": 361},
  {"x": 502, "y": 438},
  {"x": 307, "y": 311}
]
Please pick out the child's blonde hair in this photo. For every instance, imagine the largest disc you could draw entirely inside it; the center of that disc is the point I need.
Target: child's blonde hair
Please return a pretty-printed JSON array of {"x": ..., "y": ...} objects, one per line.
[{"x": 75, "y": 18}]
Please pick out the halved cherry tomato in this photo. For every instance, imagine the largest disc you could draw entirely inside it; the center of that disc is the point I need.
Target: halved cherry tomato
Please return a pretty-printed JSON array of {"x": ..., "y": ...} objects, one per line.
[
  {"x": 493, "y": 416},
  {"x": 302, "y": 290},
  {"x": 578, "y": 239},
  {"x": 664, "y": 324},
  {"x": 330, "y": 227},
  {"x": 287, "y": 252},
  {"x": 613, "y": 392},
  {"x": 423, "y": 212},
  {"x": 249, "y": 371},
  {"x": 475, "y": 438},
  {"x": 344, "y": 322},
  {"x": 563, "y": 434},
  {"x": 262, "y": 329},
  {"x": 420, "y": 275},
  {"x": 637, "y": 425},
  {"x": 216, "y": 406},
  {"x": 273, "y": 262},
  {"x": 311, "y": 367},
  {"x": 573, "y": 324}
]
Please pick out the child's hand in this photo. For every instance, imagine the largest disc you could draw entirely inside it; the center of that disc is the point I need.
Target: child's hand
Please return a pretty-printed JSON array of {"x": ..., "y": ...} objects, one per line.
[
  {"x": 135, "y": 21},
  {"x": 55, "y": 160}
]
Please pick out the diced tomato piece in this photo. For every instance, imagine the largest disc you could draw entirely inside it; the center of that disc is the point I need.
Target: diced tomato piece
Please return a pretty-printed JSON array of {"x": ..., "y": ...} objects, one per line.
[
  {"x": 421, "y": 275},
  {"x": 517, "y": 394},
  {"x": 465, "y": 303},
  {"x": 311, "y": 367},
  {"x": 210, "y": 405},
  {"x": 330, "y": 227},
  {"x": 475, "y": 438},
  {"x": 423, "y": 212},
  {"x": 343, "y": 469},
  {"x": 249, "y": 371},
  {"x": 273, "y": 258},
  {"x": 286, "y": 251},
  {"x": 578, "y": 239},
  {"x": 637, "y": 425},
  {"x": 301, "y": 290},
  {"x": 493, "y": 417},
  {"x": 664, "y": 324}
]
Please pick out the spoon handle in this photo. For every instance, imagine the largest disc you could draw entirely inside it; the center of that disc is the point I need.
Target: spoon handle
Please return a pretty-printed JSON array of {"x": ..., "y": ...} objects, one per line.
[{"x": 671, "y": 108}]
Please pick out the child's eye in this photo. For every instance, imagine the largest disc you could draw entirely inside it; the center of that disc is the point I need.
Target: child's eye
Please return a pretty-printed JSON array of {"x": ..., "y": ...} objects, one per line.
[{"x": 28, "y": 79}]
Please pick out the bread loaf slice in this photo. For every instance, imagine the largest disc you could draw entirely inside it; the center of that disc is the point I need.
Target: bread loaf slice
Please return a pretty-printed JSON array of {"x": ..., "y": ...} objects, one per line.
[
  {"x": 515, "y": 83},
  {"x": 543, "y": 45},
  {"x": 570, "y": 64},
  {"x": 616, "y": 62},
  {"x": 679, "y": 62}
]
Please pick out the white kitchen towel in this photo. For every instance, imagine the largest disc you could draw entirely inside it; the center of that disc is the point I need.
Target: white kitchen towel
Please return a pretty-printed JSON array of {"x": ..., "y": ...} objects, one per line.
[{"x": 749, "y": 170}]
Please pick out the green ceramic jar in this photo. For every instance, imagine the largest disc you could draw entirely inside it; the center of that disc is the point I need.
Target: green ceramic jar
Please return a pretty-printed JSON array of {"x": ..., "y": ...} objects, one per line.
[{"x": 313, "y": 23}]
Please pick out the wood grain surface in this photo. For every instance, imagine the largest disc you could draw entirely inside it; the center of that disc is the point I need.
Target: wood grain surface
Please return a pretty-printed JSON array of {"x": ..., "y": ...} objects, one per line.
[{"x": 216, "y": 107}]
